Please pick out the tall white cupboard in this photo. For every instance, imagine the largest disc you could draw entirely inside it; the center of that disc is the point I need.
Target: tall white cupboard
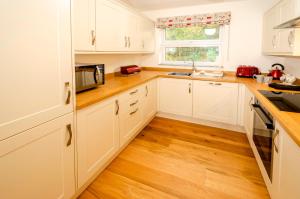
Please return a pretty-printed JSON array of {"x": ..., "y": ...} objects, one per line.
[{"x": 36, "y": 103}]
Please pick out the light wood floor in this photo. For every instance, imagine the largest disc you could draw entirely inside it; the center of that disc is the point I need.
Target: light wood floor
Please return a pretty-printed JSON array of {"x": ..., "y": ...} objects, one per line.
[{"x": 172, "y": 159}]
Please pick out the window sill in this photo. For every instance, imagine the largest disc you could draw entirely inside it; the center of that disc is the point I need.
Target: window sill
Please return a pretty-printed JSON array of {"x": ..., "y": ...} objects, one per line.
[{"x": 189, "y": 65}]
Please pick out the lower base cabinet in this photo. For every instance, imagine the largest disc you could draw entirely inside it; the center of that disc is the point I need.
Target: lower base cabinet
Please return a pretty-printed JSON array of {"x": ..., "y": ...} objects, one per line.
[
  {"x": 39, "y": 163},
  {"x": 248, "y": 112},
  {"x": 175, "y": 96},
  {"x": 104, "y": 128},
  {"x": 97, "y": 137},
  {"x": 286, "y": 175},
  {"x": 130, "y": 114},
  {"x": 149, "y": 100},
  {"x": 215, "y": 101}
]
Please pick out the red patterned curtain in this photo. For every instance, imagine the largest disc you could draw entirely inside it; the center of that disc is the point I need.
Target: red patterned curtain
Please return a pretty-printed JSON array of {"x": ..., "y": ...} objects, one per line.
[{"x": 221, "y": 18}]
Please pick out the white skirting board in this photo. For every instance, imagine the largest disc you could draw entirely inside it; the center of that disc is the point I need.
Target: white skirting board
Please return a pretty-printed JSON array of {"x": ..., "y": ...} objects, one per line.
[{"x": 230, "y": 127}]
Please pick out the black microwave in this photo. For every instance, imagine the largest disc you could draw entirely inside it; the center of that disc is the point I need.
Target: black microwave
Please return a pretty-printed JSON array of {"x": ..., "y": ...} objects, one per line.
[{"x": 89, "y": 76}]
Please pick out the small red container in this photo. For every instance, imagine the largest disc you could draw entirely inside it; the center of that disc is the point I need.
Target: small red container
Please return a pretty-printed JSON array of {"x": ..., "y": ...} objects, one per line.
[
  {"x": 127, "y": 70},
  {"x": 247, "y": 71}
]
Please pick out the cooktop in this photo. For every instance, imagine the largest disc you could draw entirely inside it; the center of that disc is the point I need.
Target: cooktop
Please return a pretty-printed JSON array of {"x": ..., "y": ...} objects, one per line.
[{"x": 284, "y": 101}]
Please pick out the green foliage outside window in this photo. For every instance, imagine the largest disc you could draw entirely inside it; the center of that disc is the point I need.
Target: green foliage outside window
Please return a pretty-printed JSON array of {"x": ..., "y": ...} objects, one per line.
[
  {"x": 191, "y": 33},
  {"x": 198, "y": 54}
]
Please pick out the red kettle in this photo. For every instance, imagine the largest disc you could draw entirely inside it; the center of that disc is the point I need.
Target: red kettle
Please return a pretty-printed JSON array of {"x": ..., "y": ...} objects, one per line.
[{"x": 277, "y": 71}]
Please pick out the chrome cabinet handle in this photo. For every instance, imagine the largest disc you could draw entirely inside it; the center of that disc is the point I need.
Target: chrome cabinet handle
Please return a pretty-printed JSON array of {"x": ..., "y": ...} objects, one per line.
[
  {"x": 190, "y": 88},
  {"x": 133, "y": 92},
  {"x": 215, "y": 84},
  {"x": 274, "y": 138},
  {"x": 250, "y": 102},
  {"x": 136, "y": 110},
  {"x": 274, "y": 41},
  {"x": 129, "y": 43},
  {"x": 68, "y": 100},
  {"x": 93, "y": 37},
  {"x": 134, "y": 103},
  {"x": 118, "y": 107},
  {"x": 147, "y": 91},
  {"x": 291, "y": 38},
  {"x": 69, "y": 128},
  {"x": 126, "y": 44}
]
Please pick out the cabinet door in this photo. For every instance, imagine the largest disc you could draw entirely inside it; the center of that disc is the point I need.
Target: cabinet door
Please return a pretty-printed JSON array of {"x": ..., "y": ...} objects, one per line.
[
  {"x": 111, "y": 23},
  {"x": 148, "y": 36},
  {"x": 216, "y": 101},
  {"x": 289, "y": 164},
  {"x": 84, "y": 25},
  {"x": 175, "y": 96},
  {"x": 287, "y": 10},
  {"x": 130, "y": 114},
  {"x": 36, "y": 68},
  {"x": 149, "y": 95},
  {"x": 132, "y": 31},
  {"x": 248, "y": 112},
  {"x": 39, "y": 163},
  {"x": 287, "y": 40},
  {"x": 271, "y": 36},
  {"x": 98, "y": 138}
]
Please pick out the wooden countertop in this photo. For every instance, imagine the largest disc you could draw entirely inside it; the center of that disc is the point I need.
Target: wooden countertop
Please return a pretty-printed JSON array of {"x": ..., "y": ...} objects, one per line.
[{"x": 117, "y": 84}]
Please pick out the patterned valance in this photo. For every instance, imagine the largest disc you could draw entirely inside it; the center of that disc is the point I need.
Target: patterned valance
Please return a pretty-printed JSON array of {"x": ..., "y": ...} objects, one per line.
[{"x": 221, "y": 18}]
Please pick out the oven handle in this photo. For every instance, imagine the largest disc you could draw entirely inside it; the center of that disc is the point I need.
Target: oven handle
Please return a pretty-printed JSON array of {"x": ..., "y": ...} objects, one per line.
[{"x": 261, "y": 114}]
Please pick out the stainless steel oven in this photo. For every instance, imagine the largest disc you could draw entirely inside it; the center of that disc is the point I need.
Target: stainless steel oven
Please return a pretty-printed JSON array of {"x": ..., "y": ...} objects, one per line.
[{"x": 263, "y": 134}]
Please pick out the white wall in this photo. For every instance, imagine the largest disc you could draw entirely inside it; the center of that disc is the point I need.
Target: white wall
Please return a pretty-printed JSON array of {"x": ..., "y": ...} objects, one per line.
[
  {"x": 112, "y": 62},
  {"x": 245, "y": 39}
]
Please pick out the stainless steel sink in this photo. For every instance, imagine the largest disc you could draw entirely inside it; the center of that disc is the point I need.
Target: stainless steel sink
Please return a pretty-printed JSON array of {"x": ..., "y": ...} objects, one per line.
[{"x": 180, "y": 74}]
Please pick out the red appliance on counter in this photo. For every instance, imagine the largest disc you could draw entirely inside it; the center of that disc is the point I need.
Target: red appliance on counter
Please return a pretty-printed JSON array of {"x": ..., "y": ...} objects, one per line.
[
  {"x": 128, "y": 70},
  {"x": 246, "y": 71},
  {"x": 277, "y": 71}
]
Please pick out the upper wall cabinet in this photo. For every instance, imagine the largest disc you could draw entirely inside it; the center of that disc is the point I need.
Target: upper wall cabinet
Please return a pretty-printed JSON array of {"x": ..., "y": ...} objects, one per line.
[
  {"x": 289, "y": 9},
  {"x": 281, "y": 42},
  {"x": 107, "y": 26}
]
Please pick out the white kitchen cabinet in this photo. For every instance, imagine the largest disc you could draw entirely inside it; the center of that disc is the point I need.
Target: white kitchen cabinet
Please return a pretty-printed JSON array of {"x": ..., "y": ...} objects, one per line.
[
  {"x": 36, "y": 68},
  {"x": 97, "y": 137},
  {"x": 176, "y": 96},
  {"x": 108, "y": 26},
  {"x": 287, "y": 166},
  {"x": 131, "y": 119},
  {"x": 281, "y": 42},
  {"x": 39, "y": 163},
  {"x": 111, "y": 23},
  {"x": 147, "y": 36},
  {"x": 215, "y": 101},
  {"x": 289, "y": 9},
  {"x": 85, "y": 25},
  {"x": 248, "y": 112},
  {"x": 270, "y": 35},
  {"x": 149, "y": 100}
]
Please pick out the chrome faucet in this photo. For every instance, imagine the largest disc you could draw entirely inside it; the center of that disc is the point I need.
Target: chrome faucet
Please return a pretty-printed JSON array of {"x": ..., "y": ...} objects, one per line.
[{"x": 193, "y": 66}]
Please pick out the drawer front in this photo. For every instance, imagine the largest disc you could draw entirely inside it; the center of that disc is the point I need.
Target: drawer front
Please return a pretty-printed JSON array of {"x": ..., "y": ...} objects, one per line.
[{"x": 130, "y": 114}]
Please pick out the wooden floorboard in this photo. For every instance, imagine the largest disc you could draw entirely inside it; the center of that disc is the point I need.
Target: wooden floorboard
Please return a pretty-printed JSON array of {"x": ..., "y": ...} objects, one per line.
[{"x": 172, "y": 159}]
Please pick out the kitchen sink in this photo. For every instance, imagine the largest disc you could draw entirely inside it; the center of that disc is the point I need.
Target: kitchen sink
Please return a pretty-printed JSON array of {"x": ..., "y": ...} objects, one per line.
[{"x": 180, "y": 74}]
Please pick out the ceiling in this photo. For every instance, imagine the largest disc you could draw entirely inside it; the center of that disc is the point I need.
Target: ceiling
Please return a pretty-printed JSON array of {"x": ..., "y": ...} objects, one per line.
[{"x": 145, "y": 5}]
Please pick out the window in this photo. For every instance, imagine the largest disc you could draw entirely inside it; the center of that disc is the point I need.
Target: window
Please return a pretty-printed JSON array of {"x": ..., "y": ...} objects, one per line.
[{"x": 179, "y": 46}]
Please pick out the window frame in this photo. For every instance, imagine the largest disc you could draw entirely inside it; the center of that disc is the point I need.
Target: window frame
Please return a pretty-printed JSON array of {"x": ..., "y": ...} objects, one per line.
[{"x": 194, "y": 43}]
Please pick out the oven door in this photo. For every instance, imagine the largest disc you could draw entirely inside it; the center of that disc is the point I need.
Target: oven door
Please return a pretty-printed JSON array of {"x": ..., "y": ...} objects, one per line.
[{"x": 263, "y": 130}]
